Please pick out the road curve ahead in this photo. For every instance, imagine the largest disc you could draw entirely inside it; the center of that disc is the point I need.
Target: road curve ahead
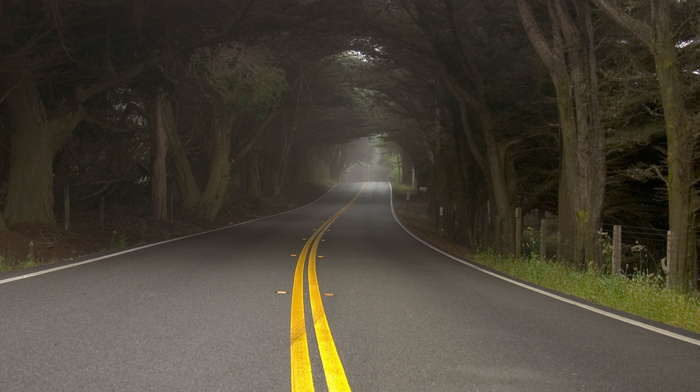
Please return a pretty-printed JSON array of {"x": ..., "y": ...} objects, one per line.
[{"x": 334, "y": 296}]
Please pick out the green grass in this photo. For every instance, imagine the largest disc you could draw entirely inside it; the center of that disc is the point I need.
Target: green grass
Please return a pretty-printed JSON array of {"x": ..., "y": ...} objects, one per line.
[
  {"x": 402, "y": 189},
  {"x": 9, "y": 264},
  {"x": 118, "y": 241},
  {"x": 643, "y": 295}
]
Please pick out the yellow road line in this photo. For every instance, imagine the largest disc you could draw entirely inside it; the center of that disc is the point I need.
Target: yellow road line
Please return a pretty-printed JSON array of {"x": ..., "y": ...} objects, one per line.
[
  {"x": 300, "y": 361},
  {"x": 332, "y": 367},
  {"x": 302, "y": 379}
]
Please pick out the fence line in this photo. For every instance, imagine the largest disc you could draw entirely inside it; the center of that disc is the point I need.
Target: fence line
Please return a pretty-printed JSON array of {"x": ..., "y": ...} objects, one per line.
[{"x": 626, "y": 249}]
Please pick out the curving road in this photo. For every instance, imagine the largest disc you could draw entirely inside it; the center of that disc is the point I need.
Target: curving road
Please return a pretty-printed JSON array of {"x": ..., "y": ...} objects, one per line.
[{"x": 215, "y": 312}]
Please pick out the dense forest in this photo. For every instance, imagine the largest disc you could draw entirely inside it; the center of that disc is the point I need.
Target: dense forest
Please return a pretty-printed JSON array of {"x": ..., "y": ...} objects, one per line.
[{"x": 586, "y": 109}]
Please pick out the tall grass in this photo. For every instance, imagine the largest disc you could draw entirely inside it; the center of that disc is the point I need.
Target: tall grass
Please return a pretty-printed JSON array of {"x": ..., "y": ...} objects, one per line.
[{"x": 643, "y": 295}]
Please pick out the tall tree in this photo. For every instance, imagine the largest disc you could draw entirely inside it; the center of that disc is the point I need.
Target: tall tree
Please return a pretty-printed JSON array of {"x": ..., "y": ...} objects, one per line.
[
  {"x": 570, "y": 58},
  {"x": 658, "y": 34}
]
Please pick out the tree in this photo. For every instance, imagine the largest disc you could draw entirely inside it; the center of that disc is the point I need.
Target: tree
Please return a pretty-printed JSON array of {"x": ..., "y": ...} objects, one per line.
[
  {"x": 58, "y": 55},
  {"x": 570, "y": 58},
  {"x": 659, "y": 36},
  {"x": 236, "y": 91}
]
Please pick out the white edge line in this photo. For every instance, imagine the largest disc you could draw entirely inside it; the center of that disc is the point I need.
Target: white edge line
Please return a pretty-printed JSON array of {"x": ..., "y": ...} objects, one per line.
[
  {"x": 546, "y": 293},
  {"x": 130, "y": 250}
]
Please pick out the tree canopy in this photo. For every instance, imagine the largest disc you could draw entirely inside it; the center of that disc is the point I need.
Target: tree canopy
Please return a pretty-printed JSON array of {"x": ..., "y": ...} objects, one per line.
[{"x": 588, "y": 109}]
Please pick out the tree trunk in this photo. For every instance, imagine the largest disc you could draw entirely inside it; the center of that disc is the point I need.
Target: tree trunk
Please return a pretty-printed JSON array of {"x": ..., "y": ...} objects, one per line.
[
  {"x": 282, "y": 165},
  {"x": 680, "y": 139},
  {"x": 336, "y": 165},
  {"x": 251, "y": 180},
  {"x": 493, "y": 164},
  {"x": 214, "y": 193},
  {"x": 186, "y": 183},
  {"x": 406, "y": 167},
  {"x": 30, "y": 196},
  {"x": 572, "y": 65},
  {"x": 159, "y": 175},
  {"x": 35, "y": 138},
  {"x": 502, "y": 193},
  {"x": 3, "y": 226},
  {"x": 494, "y": 171}
]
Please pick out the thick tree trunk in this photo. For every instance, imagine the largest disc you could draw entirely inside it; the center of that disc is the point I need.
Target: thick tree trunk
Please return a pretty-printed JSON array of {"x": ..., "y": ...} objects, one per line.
[
  {"x": 572, "y": 66},
  {"x": 3, "y": 226},
  {"x": 681, "y": 176},
  {"x": 30, "y": 184},
  {"x": 251, "y": 180},
  {"x": 502, "y": 193},
  {"x": 35, "y": 138},
  {"x": 214, "y": 193},
  {"x": 186, "y": 183},
  {"x": 159, "y": 174}
]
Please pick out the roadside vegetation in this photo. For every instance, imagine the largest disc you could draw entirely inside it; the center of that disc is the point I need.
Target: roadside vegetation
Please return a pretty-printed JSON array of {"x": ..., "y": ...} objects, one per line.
[
  {"x": 645, "y": 295},
  {"x": 8, "y": 264},
  {"x": 640, "y": 293},
  {"x": 11, "y": 264}
]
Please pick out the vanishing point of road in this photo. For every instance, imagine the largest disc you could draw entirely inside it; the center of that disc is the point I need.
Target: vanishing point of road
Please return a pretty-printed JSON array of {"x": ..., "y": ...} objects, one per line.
[{"x": 333, "y": 296}]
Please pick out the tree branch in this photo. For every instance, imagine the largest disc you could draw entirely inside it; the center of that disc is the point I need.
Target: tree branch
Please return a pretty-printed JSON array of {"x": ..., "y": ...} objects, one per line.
[
  {"x": 640, "y": 29},
  {"x": 534, "y": 33}
]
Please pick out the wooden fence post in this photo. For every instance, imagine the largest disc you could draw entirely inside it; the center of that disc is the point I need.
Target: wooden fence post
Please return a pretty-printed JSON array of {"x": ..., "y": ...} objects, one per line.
[
  {"x": 66, "y": 207},
  {"x": 670, "y": 243},
  {"x": 518, "y": 232},
  {"x": 102, "y": 212},
  {"x": 617, "y": 250},
  {"x": 543, "y": 240},
  {"x": 171, "y": 212}
]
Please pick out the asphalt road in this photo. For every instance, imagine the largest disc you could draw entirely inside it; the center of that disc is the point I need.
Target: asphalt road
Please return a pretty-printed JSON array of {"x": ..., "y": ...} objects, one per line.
[{"x": 205, "y": 313}]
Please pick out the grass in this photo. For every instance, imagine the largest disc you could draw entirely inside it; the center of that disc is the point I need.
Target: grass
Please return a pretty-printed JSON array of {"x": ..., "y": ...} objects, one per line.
[
  {"x": 402, "y": 189},
  {"x": 118, "y": 241},
  {"x": 10, "y": 264},
  {"x": 7, "y": 265},
  {"x": 642, "y": 295}
]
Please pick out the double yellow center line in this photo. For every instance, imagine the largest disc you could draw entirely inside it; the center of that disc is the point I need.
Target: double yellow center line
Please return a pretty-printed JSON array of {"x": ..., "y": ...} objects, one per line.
[{"x": 302, "y": 379}]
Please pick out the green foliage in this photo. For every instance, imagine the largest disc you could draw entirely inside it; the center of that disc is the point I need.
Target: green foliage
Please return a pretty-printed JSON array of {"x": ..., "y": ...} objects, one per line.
[
  {"x": 531, "y": 241},
  {"x": 389, "y": 157},
  {"x": 117, "y": 241},
  {"x": 402, "y": 189},
  {"x": 644, "y": 294},
  {"x": 7, "y": 264},
  {"x": 253, "y": 90}
]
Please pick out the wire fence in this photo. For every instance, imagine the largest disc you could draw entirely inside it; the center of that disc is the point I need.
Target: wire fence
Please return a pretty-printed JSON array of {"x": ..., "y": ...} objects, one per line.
[{"x": 643, "y": 249}]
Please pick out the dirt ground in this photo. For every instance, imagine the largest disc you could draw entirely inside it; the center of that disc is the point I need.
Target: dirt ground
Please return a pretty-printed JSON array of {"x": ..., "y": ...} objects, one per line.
[{"x": 132, "y": 225}]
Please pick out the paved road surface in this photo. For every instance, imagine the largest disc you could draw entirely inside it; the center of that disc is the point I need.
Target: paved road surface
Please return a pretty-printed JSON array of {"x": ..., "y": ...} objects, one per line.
[{"x": 204, "y": 314}]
